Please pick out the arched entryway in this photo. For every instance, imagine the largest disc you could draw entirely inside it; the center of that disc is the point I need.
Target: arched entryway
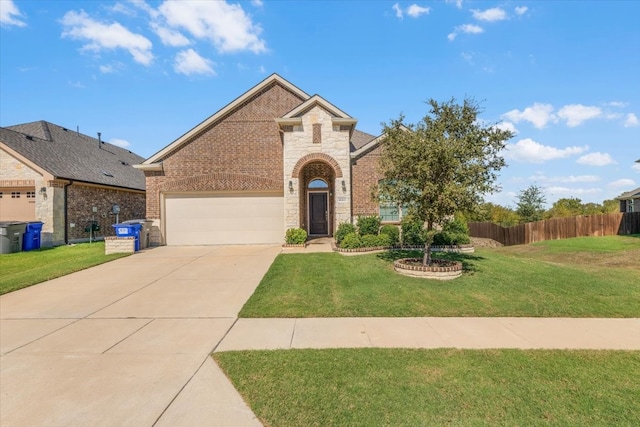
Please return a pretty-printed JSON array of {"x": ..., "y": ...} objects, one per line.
[{"x": 317, "y": 204}]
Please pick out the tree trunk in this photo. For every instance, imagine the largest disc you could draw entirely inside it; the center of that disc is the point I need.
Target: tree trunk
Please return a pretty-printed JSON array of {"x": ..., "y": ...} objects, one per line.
[{"x": 426, "y": 260}]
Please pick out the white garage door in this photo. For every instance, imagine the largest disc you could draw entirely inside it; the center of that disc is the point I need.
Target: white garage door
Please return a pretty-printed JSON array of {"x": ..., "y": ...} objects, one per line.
[{"x": 193, "y": 219}]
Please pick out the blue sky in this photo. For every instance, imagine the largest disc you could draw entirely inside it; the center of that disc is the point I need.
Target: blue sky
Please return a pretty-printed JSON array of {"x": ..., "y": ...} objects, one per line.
[{"x": 564, "y": 75}]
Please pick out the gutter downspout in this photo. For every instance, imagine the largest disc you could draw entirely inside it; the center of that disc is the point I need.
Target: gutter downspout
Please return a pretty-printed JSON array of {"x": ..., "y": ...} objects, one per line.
[{"x": 66, "y": 214}]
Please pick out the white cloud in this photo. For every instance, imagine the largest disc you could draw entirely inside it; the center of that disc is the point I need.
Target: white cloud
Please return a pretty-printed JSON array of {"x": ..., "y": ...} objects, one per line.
[
  {"x": 169, "y": 37},
  {"x": 617, "y": 104},
  {"x": 521, "y": 10},
  {"x": 415, "y": 11},
  {"x": 631, "y": 120},
  {"x": 79, "y": 26},
  {"x": 120, "y": 142},
  {"x": 107, "y": 69},
  {"x": 398, "y": 10},
  {"x": 458, "y": 3},
  {"x": 529, "y": 151},
  {"x": 507, "y": 126},
  {"x": 489, "y": 15},
  {"x": 257, "y": 3},
  {"x": 538, "y": 114},
  {"x": 10, "y": 14},
  {"x": 76, "y": 84},
  {"x": 571, "y": 179},
  {"x": 555, "y": 191},
  {"x": 226, "y": 25},
  {"x": 576, "y": 114},
  {"x": 188, "y": 62},
  {"x": 636, "y": 167},
  {"x": 596, "y": 159},
  {"x": 466, "y": 28},
  {"x": 622, "y": 183}
]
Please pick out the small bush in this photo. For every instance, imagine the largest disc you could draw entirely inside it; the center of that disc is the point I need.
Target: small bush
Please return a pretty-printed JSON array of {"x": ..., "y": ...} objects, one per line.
[
  {"x": 412, "y": 231},
  {"x": 456, "y": 226},
  {"x": 448, "y": 238},
  {"x": 295, "y": 236},
  {"x": 384, "y": 240},
  {"x": 343, "y": 229},
  {"x": 370, "y": 241},
  {"x": 368, "y": 225},
  {"x": 392, "y": 232},
  {"x": 351, "y": 241}
]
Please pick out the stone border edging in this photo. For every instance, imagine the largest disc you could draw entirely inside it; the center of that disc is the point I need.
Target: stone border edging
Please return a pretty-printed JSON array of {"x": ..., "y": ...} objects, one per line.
[
  {"x": 465, "y": 249},
  {"x": 448, "y": 272}
]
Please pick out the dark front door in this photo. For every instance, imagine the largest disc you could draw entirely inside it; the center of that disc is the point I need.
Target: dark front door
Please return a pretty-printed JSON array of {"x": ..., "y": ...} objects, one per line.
[{"x": 318, "y": 213}]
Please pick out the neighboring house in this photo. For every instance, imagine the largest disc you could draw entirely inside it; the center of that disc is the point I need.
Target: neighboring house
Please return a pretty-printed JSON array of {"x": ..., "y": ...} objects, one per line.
[
  {"x": 273, "y": 159},
  {"x": 630, "y": 201},
  {"x": 67, "y": 180}
]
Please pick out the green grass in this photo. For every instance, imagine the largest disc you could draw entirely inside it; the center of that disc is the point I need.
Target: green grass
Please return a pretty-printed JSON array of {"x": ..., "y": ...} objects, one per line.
[
  {"x": 399, "y": 387},
  {"x": 582, "y": 277},
  {"x": 22, "y": 269}
]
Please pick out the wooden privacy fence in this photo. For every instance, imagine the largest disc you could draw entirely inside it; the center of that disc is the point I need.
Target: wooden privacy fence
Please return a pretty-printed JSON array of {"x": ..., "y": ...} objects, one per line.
[{"x": 559, "y": 228}]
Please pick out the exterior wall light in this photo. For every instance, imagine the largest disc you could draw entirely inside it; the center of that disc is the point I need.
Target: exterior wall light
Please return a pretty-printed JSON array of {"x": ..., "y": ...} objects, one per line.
[
  {"x": 291, "y": 186},
  {"x": 344, "y": 186}
]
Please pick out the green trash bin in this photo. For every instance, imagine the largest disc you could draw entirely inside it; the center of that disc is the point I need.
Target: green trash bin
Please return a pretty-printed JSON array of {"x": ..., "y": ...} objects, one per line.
[{"x": 11, "y": 236}]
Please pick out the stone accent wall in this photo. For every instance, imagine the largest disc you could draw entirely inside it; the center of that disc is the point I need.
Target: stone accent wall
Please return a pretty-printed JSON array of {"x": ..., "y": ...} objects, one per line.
[
  {"x": 241, "y": 151},
  {"x": 331, "y": 150},
  {"x": 81, "y": 199},
  {"x": 365, "y": 174},
  {"x": 119, "y": 245},
  {"x": 14, "y": 173}
]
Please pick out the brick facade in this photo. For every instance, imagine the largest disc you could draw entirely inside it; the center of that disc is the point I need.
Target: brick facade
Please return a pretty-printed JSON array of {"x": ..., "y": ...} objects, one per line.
[
  {"x": 365, "y": 176},
  {"x": 81, "y": 199},
  {"x": 241, "y": 151},
  {"x": 277, "y": 139}
]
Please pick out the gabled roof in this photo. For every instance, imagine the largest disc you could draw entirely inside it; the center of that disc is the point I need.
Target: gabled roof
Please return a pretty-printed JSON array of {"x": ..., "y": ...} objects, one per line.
[
  {"x": 633, "y": 194},
  {"x": 359, "y": 139},
  {"x": 272, "y": 79},
  {"x": 67, "y": 154}
]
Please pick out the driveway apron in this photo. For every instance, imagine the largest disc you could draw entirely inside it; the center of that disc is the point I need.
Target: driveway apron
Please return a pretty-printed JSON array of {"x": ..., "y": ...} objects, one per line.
[{"x": 127, "y": 343}]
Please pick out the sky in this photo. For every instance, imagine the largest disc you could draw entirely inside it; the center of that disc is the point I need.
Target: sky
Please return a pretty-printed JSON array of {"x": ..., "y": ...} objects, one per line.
[{"x": 564, "y": 76}]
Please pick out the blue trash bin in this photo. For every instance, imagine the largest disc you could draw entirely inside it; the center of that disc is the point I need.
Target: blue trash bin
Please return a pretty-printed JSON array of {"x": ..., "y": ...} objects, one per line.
[
  {"x": 129, "y": 230},
  {"x": 32, "y": 236}
]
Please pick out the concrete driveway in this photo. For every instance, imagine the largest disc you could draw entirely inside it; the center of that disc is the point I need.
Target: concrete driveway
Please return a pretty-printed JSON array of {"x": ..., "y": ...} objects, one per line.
[{"x": 127, "y": 343}]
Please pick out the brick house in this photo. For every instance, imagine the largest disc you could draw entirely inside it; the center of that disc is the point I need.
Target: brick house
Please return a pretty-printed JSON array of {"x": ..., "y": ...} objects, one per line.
[
  {"x": 274, "y": 158},
  {"x": 67, "y": 180}
]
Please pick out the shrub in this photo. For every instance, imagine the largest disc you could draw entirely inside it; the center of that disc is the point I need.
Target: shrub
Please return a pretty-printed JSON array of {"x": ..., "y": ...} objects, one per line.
[
  {"x": 384, "y": 240},
  {"x": 412, "y": 231},
  {"x": 295, "y": 236},
  {"x": 370, "y": 241},
  {"x": 449, "y": 238},
  {"x": 368, "y": 225},
  {"x": 351, "y": 241},
  {"x": 343, "y": 229},
  {"x": 393, "y": 232},
  {"x": 456, "y": 226}
]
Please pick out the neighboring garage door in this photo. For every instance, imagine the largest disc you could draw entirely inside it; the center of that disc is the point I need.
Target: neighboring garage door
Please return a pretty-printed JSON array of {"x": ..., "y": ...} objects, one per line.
[
  {"x": 205, "y": 219},
  {"x": 17, "y": 204}
]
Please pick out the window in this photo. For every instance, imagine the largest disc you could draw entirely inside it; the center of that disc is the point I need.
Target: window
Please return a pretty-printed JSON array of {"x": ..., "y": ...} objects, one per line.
[
  {"x": 15, "y": 194},
  {"x": 0, "y": 194},
  {"x": 318, "y": 184},
  {"x": 389, "y": 213},
  {"x": 31, "y": 194}
]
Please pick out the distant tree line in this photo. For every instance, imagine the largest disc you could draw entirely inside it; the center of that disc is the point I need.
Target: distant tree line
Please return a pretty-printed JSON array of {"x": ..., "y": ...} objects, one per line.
[{"x": 530, "y": 207}]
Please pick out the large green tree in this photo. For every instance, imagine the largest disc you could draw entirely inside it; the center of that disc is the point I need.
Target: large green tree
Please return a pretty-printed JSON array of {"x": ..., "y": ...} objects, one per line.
[{"x": 443, "y": 164}]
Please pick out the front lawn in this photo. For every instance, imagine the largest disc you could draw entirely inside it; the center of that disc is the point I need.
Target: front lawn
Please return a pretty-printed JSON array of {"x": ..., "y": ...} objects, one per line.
[
  {"x": 400, "y": 387},
  {"x": 582, "y": 277},
  {"x": 22, "y": 269}
]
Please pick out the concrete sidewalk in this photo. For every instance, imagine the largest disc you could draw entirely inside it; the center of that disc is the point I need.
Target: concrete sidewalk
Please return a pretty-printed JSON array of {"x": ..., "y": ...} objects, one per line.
[{"x": 434, "y": 332}]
